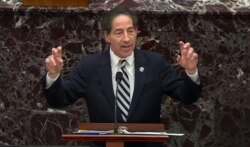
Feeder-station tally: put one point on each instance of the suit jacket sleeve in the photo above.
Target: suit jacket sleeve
(64, 92)
(182, 89)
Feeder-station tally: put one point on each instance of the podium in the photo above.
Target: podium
(117, 140)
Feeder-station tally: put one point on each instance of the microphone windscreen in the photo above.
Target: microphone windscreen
(118, 76)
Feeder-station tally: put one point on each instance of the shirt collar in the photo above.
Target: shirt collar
(115, 59)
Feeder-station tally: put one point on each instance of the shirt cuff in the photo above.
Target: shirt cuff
(50, 81)
(195, 77)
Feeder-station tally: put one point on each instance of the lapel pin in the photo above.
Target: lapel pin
(141, 69)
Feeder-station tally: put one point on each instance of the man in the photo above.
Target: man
(145, 76)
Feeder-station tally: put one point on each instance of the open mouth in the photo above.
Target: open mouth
(126, 47)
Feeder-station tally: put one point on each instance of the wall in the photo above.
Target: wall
(218, 30)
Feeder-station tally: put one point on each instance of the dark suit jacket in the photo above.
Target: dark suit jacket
(92, 79)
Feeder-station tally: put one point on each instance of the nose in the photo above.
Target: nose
(126, 36)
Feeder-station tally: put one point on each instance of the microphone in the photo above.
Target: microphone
(118, 78)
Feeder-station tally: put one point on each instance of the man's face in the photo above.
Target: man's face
(122, 37)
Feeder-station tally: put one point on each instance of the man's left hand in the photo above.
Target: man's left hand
(187, 59)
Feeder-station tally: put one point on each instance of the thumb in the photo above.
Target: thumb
(178, 58)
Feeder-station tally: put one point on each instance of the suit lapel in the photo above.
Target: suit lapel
(140, 76)
(105, 75)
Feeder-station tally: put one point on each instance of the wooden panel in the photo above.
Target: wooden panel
(114, 144)
(130, 126)
(56, 3)
(116, 138)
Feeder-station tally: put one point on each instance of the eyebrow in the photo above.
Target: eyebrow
(119, 29)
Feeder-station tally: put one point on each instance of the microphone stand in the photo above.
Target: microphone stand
(116, 125)
(118, 79)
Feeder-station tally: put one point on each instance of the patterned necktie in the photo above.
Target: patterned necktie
(123, 94)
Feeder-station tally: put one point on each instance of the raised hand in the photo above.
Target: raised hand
(187, 59)
(54, 62)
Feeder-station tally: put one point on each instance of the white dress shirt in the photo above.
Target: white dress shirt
(130, 69)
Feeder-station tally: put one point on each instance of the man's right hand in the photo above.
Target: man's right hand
(54, 62)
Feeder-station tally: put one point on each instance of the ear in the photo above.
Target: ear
(137, 31)
(106, 37)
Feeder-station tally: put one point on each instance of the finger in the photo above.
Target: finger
(60, 62)
(49, 65)
(47, 62)
(194, 56)
(187, 45)
(185, 49)
(54, 53)
(52, 61)
(59, 49)
(181, 47)
(178, 58)
(181, 43)
(190, 52)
